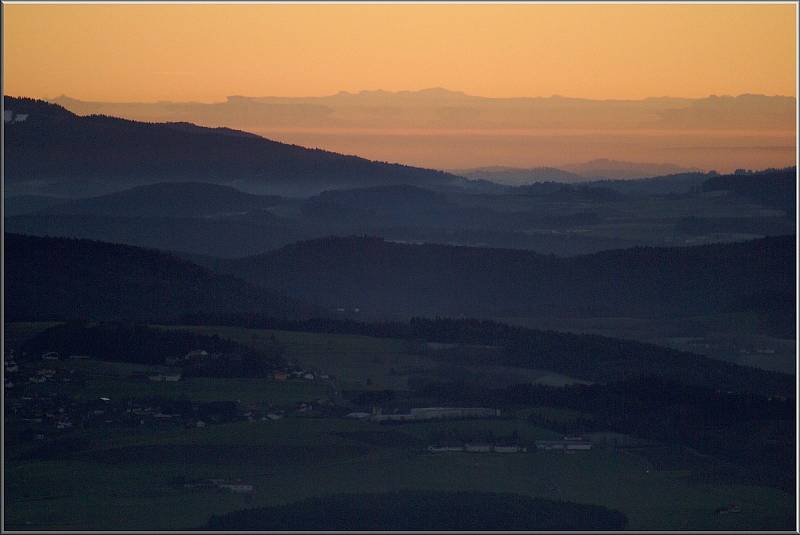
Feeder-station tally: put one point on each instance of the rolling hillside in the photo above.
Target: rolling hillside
(383, 278)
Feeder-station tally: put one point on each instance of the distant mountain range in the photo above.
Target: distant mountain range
(55, 152)
(444, 109)
(61, 279)
(599, 169)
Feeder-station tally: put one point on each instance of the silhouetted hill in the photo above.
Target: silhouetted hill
(180, 199)
(55, 145)
(58, 279)
(391, 279)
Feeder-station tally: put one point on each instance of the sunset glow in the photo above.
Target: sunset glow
(207, 52)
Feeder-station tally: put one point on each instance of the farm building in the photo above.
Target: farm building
(357, 415)
(509, 449)
(566, 444)
(443, 449)
(239, 488)
(159, 378)
(478, 448)
(280, 375)
(434, 413)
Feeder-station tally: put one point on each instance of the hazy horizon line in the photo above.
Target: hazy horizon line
(439, 89)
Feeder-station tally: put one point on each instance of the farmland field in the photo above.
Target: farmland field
(109, 484)
(376, 363)
(124, 478)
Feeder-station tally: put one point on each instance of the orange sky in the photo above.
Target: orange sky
(207, 52)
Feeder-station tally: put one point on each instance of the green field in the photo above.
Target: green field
(296, 458)
(111, 379)
(119, 478)
(363, 362)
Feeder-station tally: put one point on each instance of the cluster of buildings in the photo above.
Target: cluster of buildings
(236, 486)
(429, 413)
(568, 444)
(43, 413)
(565, 445)
(14, 375)
(11, 368)
(477, 447)
(294, 372)
(10, 117)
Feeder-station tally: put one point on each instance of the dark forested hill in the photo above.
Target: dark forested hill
(383, 278)
(103, 154)
(57, 278)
